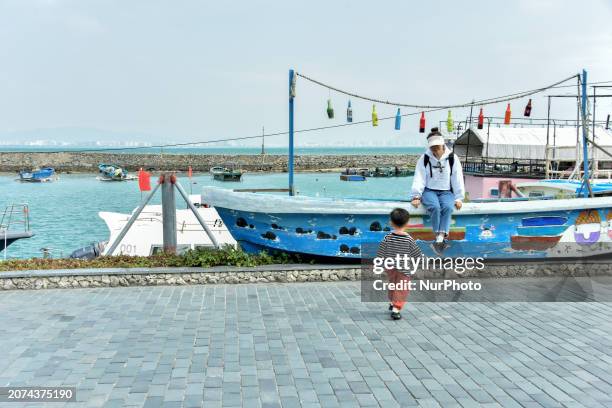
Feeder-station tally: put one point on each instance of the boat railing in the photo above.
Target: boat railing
(14, 217)
(572, 174)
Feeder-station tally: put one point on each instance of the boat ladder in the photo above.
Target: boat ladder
(15, 215)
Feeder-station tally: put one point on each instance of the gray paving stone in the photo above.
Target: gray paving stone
(273, 345)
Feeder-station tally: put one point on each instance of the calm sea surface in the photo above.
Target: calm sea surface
(64, 214)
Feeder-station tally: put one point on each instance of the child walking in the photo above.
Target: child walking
(438, 184)
(398, 242)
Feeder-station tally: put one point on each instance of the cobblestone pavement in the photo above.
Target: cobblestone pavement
(310, 345)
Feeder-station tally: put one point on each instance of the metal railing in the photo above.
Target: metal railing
(505, 167)
(15, 215)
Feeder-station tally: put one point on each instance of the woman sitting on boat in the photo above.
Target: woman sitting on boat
(438, 184)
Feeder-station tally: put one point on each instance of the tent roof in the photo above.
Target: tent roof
(532, 136)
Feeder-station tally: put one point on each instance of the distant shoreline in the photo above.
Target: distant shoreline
(77, 162)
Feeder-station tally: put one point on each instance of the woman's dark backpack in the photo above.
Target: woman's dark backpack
(450, 159)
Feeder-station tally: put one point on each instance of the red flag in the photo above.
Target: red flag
(144, 180)
(189, 172)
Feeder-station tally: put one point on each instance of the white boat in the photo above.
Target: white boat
(564, 188)
(145, 237)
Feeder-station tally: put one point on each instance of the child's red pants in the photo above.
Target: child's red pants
(398, 297)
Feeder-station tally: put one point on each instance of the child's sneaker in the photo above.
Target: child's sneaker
(395, 314)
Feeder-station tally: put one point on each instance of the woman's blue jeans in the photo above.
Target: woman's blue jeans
(439, 205)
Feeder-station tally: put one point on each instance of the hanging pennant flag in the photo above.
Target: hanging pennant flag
(507, 116)
(330, 110)
(374, 116)
(422, 123)
(398, 120)
(189, 172)
(349, 113)
(528, 109)
(480, 119)
(450, 125)
(144, 180)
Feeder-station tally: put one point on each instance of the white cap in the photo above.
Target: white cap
(435, 140)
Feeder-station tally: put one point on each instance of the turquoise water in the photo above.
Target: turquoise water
(232, 150)
(64, 214)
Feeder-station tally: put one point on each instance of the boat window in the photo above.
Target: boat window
(536, 194)
(180, 249)
(156, 249)
(494, 192)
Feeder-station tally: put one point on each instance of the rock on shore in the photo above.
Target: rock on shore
(88, 162)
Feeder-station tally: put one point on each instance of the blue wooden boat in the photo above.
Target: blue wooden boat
(43, 175)
(350, 229)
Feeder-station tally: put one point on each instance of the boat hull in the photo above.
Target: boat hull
(10, 237)
(352, 229)
(352, 177)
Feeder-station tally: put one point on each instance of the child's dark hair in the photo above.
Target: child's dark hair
(399, 217)
(434, 132)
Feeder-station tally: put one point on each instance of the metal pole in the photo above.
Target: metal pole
(290, 159)
(546, 173)
(197, 215)
(169, 213)
(263, 138)
(488, 128)
(594, 167)
(585, 147)
(130, 222)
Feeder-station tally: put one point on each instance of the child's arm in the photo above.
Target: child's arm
(415, 251)
(380, 253)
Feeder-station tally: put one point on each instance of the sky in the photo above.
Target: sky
(162, 71)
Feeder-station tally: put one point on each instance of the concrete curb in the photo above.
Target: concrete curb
(39, 273)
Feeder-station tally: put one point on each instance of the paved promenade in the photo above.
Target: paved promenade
(309, 345)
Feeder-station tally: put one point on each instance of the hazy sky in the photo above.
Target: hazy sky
(198, 70)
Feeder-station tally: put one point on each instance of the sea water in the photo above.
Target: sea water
(64, 213)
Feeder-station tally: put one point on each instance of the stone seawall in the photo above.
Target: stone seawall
(112, 277)
(88, 162)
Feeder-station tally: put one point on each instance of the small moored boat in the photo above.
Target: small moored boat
(112, 172)
(44, 175)
(221, 173)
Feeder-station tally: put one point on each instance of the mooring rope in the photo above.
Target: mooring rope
(482, 102)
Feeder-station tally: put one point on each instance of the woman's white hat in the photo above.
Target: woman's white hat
(435, 140)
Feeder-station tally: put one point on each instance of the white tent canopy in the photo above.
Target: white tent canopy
(528, 143)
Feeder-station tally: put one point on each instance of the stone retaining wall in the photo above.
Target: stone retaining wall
(88, 278)
(88, 162)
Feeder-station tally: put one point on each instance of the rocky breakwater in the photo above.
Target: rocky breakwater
(88, 162)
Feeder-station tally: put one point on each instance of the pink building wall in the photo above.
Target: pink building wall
(480, 187)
